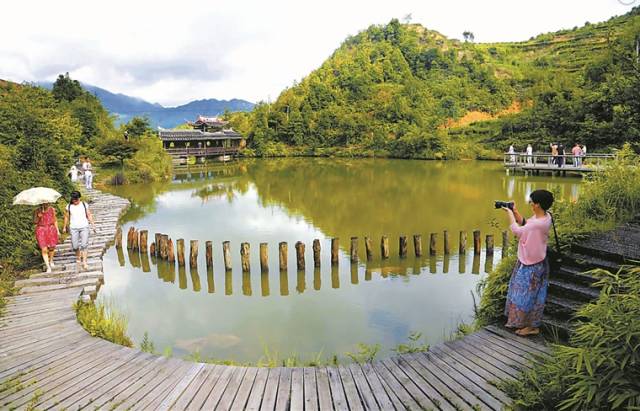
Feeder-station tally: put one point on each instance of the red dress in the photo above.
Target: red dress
(46, 231)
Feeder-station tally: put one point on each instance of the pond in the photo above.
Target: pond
(328, 310)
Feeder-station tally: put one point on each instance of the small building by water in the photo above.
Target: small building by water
(208, 138)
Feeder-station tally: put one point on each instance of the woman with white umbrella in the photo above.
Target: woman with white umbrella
(44, 217)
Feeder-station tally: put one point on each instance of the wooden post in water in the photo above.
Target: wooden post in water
(130, 237)
(152, 249)
(462, 249)
(180, 247)
(447, 248)
(505, 244)
(417, 244)
(244, 257)
(489, 244)
(118, 237)
(402, 243)
(476, 242)
(157, 238)
(264, 258)
(135, 240)
(164, 249)
(316, 253)
(170, 252)
(300, 255)
(368, 248)
(384, 247)
(143, 240)
(354, 249)
(433, 243)
(208, 253)
(283, 251)
(193, 253)
(226, 255)
(335, 250)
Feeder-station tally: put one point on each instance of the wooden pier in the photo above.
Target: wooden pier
(561, 164)
(48, 361)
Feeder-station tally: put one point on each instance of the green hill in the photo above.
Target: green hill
(403, 90)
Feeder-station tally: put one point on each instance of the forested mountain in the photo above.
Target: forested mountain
(403, 90)
(126, 107)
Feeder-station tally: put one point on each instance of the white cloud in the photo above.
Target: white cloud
(174, 52)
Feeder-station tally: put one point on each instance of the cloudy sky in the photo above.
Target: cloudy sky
(172, 52)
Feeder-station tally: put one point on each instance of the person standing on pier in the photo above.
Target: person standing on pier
(512, 151)
(577, 155)
(78, 217)
(47, 233)
(529, 154)
(530, 277)
(561, 154)
(554, 153)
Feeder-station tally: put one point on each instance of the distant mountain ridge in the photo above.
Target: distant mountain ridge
(126, 107)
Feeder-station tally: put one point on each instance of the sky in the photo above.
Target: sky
(172, 52)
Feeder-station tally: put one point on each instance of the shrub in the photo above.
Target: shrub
(600, 369)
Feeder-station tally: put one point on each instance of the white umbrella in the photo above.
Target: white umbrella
(37, 196)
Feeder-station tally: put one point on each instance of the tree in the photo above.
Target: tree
(468, 36)
(138, 126)
(66, 89)
(119, 149)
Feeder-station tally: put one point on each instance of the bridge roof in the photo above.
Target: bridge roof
(190, 135)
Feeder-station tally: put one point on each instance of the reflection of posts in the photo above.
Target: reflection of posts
(134, 258)
(445, 236)
(146, 268)
(246, 283)
(475, 267)
(301, 282)
(195, 278)
(317, 281)
(445, 263)
(489, 244)
(433, 264)
(284, 283)
(182, 278)
(488, 263)
(228, 283)
(211, 287)
(335, 277)
(354, 273)
(121, 260)
(462, 263)
(264, 283)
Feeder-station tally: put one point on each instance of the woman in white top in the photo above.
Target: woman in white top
(88, 174)
(78, 218)
(74, 173)
(529, 154)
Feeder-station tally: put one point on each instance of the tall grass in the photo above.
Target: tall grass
(103, 320)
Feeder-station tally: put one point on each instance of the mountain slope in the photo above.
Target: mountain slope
(126, 107)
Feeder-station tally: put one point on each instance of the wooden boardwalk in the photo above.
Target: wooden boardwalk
(48, 361)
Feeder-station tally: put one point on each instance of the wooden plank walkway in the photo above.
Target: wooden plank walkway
(47, 361)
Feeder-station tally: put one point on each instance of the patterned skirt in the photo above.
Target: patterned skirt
(527, 294)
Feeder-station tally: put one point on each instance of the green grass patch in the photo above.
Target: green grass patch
(102, 320)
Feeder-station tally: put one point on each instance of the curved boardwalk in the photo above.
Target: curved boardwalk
(48, 361)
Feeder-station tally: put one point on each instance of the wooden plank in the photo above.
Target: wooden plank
(231, 389)
(276, 382)
(350, 389)
(192, 390)
(219, 388)
(543, 349)
(177, 389)
(407, 384)
(496, 359)
(257, 391)
(474, 374)
(324, 391)
(368, 399)
(154, 398)
(387, 378)
(515, 344)
(337, 390)
(423, 384)
(382, 398)
(310, 389)
(297, 389)
(240, 402)
(488, 369)
(514, 359)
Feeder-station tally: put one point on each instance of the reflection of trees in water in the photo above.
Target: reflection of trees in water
(227, 189)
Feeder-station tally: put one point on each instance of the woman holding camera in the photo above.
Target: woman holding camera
(530, 277)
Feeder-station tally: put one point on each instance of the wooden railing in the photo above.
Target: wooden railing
(546, 160)
(201, 151)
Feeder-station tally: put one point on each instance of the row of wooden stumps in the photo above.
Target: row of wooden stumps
(163, 249)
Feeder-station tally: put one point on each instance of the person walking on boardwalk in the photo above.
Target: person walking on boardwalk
(47, 233)
(530, 277)
(529, 154)
(78, 217)
(512, 151)
(73, 172)
(561, 154)
(554, 153)
(577, 155)
(88, 174)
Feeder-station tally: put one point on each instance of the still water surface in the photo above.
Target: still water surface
(235, 316)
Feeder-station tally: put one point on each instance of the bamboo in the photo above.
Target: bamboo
(417, 244)
(402, 246)
(245, 257)
(264, 258)
(226, 254)
(208, 252)
(170, 252)
(283, 251)
(180, 248)
(300, 255)
(447, 248)
(476, 242)
(463, 242)
(433, 239)
(368, 248)
(193, 253)
(384, 247)
(489, 244)
(316, 253)
(335, 250)
(354, 249)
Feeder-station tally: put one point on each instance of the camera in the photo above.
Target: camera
(507, 204)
